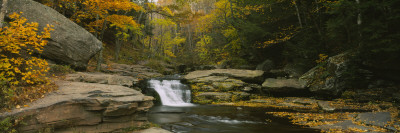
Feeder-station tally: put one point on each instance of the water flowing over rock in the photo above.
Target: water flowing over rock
(69, 43)
(172, 92)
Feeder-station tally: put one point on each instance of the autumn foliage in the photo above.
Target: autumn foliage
(18, 42)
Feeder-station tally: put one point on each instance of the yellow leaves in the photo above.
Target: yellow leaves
(283, 35)
(17, 43)
(168, 11)
(163, 22)
(322, 58)
(122, 21)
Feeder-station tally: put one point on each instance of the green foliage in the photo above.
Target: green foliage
(7, 125)
(156, 65)
(5, 95)
(60, 70)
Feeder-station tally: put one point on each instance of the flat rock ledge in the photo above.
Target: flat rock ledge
(85, 107)
(153, 130)
(246, 75)
(102, 78)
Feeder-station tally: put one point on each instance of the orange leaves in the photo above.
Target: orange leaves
(122, 21)
(18, 42)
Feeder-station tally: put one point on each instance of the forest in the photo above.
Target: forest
(339, 49)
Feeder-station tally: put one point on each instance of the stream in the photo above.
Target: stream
(177, 114)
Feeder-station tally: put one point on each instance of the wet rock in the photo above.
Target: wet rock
(247, 89)
(69, 43)
(228, 85)
(214, 96)
(345, 125)
(380, 119)
(79, 107)
(102, 78)
(260, 101)
(304, 101)
(325, 106)
(242, 96)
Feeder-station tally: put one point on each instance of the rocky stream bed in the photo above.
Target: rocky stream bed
(112, 102)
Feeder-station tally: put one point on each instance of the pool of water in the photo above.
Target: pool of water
(221, 119)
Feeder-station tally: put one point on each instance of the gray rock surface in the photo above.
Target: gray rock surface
(380, 119)
(79, 107)
(251, 75)
(325, 106)
(333, 80)
(69, 43)
(154, 130)
(214, 96)
(137, 71)
(277, 84)
(102, 78)
(224, 84)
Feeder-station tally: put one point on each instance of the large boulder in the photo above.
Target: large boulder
(69, 43)
(82, 107)
(338, 74)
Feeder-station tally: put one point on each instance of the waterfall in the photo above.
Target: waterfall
(172, 92)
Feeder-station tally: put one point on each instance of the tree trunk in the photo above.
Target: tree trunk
(117, 48)
(3, 12)
(359, 22)
(190, 37)
(233, 16)
(100, 58)
(298, 14)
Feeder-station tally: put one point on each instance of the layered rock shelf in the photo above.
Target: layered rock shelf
(89, 102)
(80, 107)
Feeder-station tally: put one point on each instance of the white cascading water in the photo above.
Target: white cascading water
(172, 92)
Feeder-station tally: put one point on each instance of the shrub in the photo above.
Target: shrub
(22, 76)
(18, 42)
